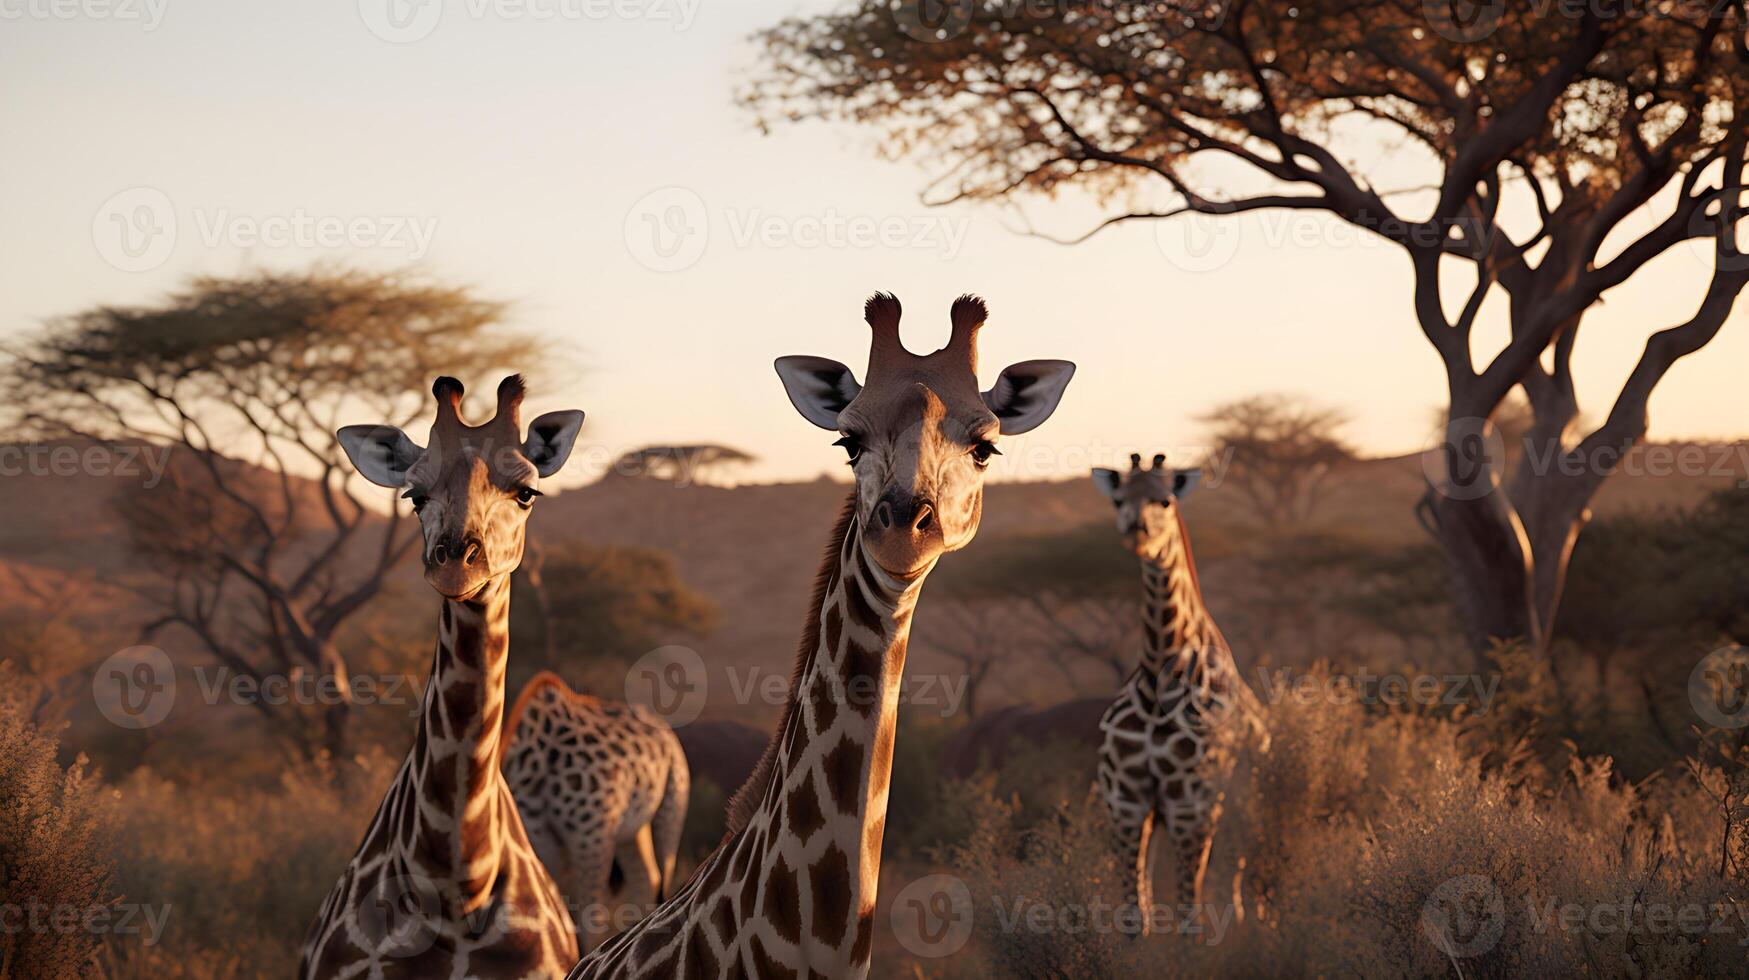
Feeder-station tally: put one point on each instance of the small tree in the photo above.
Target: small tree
(680, 464)
(608, 604)
(257, 543)
(1570, 144)
(1279, 450)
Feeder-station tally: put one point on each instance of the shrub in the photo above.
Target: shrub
(55, 865)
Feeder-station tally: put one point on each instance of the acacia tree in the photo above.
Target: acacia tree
(257, 543)
(1280, 451)
(1546, 128)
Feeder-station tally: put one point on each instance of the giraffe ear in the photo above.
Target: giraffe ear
(550, 438)
(382, 453)
(1026, 394)
(1107, 481)
(1185, 481)
(818, 387)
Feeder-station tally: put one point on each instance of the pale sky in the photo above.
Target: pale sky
(591, 167)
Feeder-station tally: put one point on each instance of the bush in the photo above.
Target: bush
(1394, 844)
(242, 871)
(55, 865)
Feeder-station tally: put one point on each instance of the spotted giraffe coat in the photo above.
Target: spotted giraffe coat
(791, 890)
(592, 779)
(1168, 736)
(445, 883)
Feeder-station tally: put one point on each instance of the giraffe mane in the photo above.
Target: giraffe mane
(745, 802)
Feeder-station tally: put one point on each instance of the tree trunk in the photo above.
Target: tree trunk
(1490, 563)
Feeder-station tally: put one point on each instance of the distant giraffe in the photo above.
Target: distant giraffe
(791, 890)
(592, 779)
(1164, 747)
(445, 882)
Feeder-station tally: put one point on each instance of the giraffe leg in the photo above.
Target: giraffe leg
(592, 906)
(645, 870)
(669, 820)
(1192, 838)
(1135, 831)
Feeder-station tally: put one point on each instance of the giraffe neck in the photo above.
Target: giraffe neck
(1175, 622)
(820, 820)
(461, 792)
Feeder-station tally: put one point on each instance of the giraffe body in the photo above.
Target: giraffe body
(791, 890)
(1168, 737)
(445, 883)
(595, 780)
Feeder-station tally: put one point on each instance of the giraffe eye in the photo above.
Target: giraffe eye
(982, 452)
(526, 495)
(418, 498)
(852, 447)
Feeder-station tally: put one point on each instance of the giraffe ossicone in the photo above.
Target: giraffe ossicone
(790, 891)
(445, 882)
(1168, 738)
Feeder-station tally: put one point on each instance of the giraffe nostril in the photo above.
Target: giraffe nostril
(884, 514)
(924, 516)
(440, 555)
(472, 554)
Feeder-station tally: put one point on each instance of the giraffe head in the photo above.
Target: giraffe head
(1146, 499)
(473, 487)
(918, 432)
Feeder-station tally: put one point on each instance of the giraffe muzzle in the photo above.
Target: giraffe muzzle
(904, 533)
(456, 567)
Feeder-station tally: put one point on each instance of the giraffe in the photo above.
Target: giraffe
(790, 891)
(1165, 737)
(445, 882)
(592, 777)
